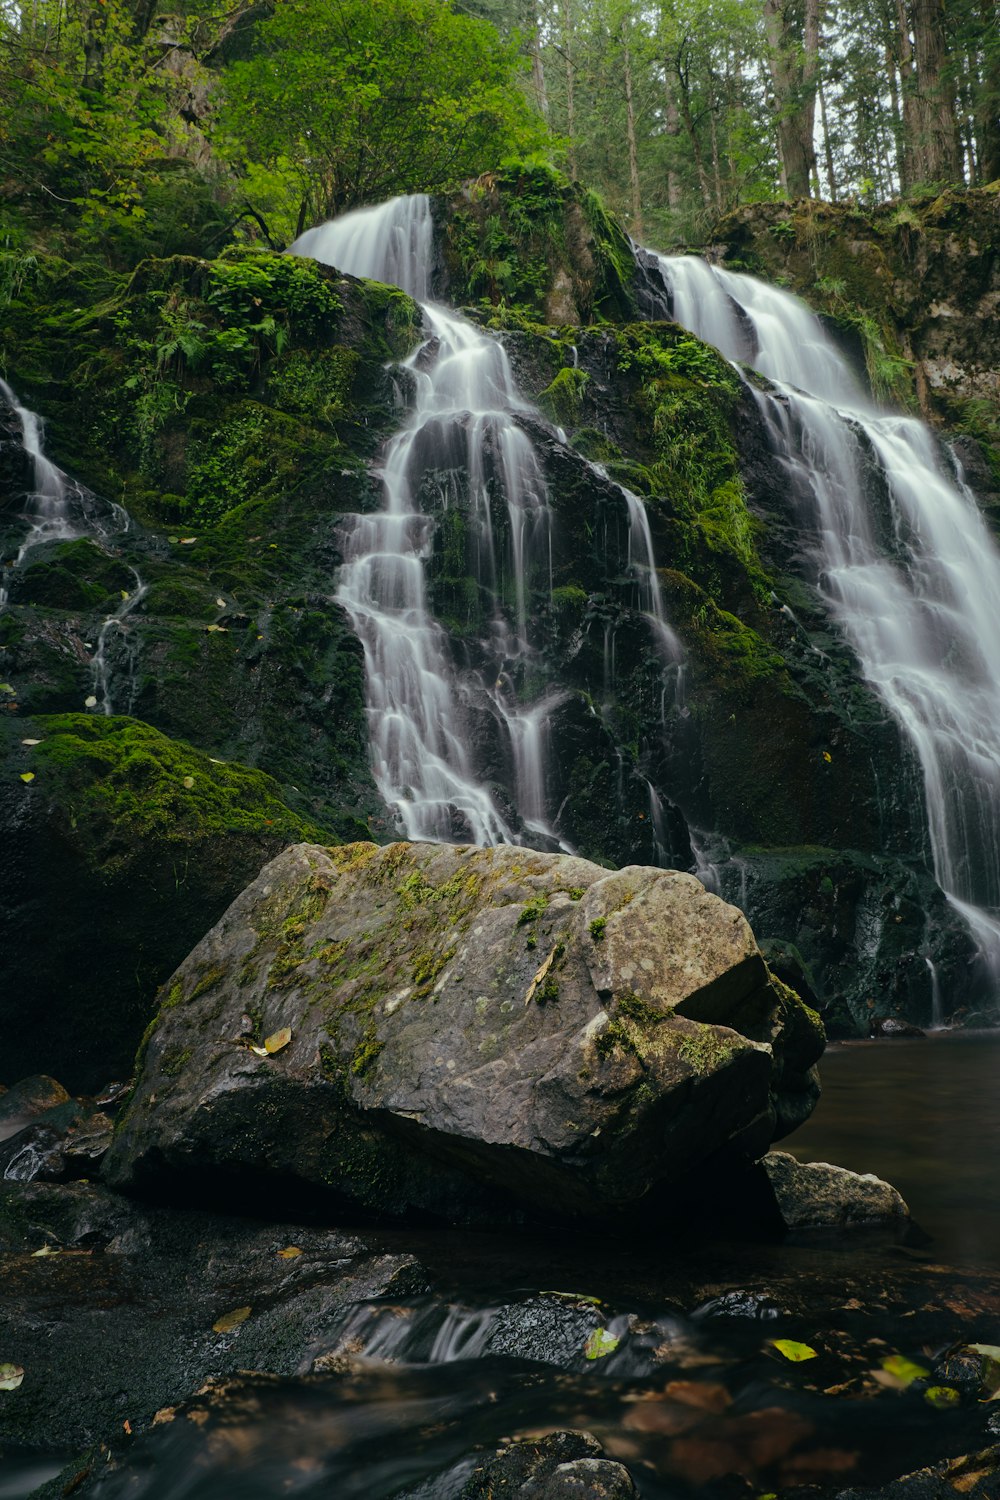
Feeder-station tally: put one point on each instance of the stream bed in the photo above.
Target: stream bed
(672, 1359)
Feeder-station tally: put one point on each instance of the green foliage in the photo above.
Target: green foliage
(562, 399)
(355, 102)
(687, 392)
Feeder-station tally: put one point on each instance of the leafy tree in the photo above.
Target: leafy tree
(345, 102)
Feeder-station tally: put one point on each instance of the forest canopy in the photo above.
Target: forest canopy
(155, 129)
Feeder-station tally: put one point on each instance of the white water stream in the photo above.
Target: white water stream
(422, 713)
(904, 560)
(61, 509)
(49, 512)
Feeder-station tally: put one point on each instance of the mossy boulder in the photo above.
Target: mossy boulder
(525, 242)
(74, 575)
(467, 1033)
(119, 843)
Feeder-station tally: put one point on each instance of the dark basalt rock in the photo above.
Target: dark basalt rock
(473, 1032)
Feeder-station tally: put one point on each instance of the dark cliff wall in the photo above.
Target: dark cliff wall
(235, 408)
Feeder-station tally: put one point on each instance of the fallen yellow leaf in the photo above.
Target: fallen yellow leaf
(793, 1350)
(231, 1320)
(289, 1253)
(10, 1377)
(27, 775)
(278, 1039)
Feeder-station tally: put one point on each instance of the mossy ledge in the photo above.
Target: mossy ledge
(122, 846)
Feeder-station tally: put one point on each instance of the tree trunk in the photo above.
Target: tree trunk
(684, 104)
(537, 67)
(909, 156)
(792, 28)
(566, 14)
(988, 124)
(633, 156)
(933, 119)
(674, 189)
(831, 175)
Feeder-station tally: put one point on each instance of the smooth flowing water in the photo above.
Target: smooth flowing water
(462, 452)
(48, 512)
(902, 556)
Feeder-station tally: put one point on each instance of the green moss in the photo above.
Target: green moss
(533, 909)
(706, 1051)
(526, 244)
(634, 1008)
(366, 1053)
(175, 1060)
(547, 992)
(75, 575)
(597, 928)
(562, 400)
(119, 782)
(212, 976)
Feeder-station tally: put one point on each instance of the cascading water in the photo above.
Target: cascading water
(49, 511)
(61, 509)
(903, 559)
(422, 714)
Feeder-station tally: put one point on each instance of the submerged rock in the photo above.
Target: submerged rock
(473, 1032)
(556, 1467)
(817, 1195)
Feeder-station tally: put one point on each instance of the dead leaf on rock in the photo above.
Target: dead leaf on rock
(10, 1377)
(289, 1253)
(44, 1251)
(277, 1040)
(231, 1320)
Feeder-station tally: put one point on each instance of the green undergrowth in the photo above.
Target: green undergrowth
(686, 397)
(193, 385)
(524, 242)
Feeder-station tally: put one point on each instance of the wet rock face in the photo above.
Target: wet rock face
(15, 463)
(473, 1033)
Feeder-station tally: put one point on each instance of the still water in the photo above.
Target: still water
(923, 1114)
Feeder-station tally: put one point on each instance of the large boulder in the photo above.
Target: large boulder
(472, 1031)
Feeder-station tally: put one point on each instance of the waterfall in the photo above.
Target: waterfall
(49, 512)
(902, 558)
(425, 717)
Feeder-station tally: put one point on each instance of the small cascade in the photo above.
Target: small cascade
(60, 509)
(100, 667)
(902, 557)
(424, 719)
(937, 1006)
(48, 502)
(547, 1328)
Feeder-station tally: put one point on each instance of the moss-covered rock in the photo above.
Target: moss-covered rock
(524, 241)
(119, 844)
(470, 1033)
